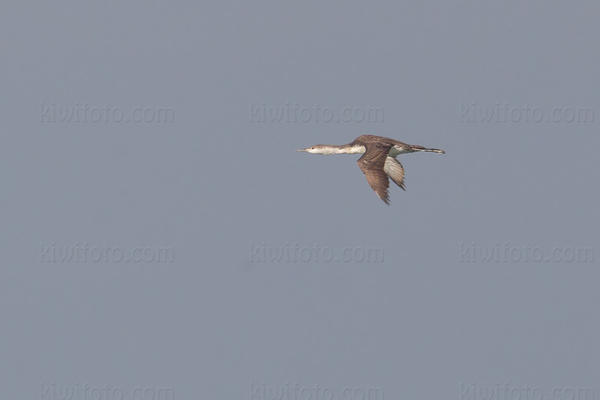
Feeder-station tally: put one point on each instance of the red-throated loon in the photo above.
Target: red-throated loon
(378, 161)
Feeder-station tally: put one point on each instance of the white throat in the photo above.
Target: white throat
(355, 149)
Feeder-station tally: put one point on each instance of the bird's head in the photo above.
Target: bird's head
(321, 149)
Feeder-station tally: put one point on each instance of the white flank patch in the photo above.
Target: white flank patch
(394, 151)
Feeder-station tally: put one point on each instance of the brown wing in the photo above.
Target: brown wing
(371, 164)
(363, 139)
(395, 171)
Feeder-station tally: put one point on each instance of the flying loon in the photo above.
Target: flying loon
(378, 161)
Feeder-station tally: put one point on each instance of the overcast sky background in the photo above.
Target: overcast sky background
(218, 184)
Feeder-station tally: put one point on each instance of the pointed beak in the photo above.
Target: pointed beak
(301, 150)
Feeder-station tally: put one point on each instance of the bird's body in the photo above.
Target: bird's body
(378, 161)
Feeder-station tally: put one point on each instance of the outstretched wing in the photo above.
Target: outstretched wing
(395, 171)
(372, 165)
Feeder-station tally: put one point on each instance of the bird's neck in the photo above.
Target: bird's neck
(343, 149)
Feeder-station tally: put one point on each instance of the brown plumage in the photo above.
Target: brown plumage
(378, 161)
(372, 164)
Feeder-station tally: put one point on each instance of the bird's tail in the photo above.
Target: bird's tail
(421, 148)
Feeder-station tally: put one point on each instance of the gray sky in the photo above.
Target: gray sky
(161, 232)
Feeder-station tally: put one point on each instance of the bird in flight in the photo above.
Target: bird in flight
(378, 161)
